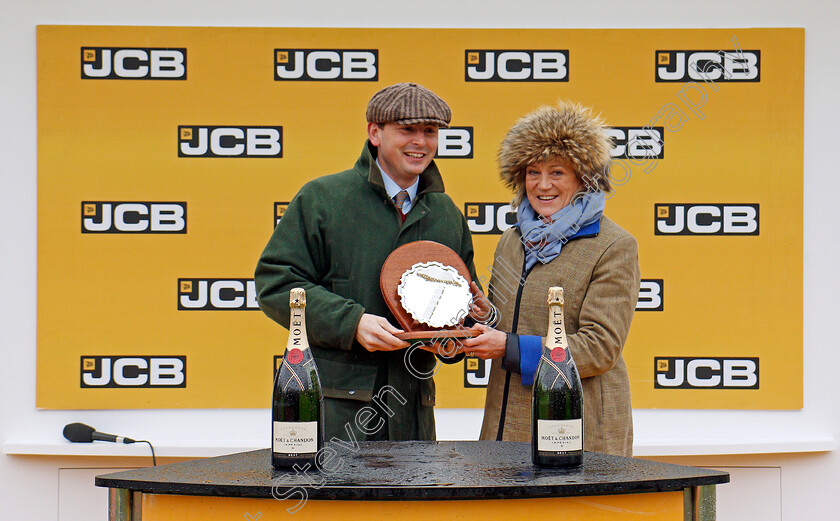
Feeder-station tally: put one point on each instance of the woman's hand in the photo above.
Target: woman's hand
(489, 344)
(480, 309)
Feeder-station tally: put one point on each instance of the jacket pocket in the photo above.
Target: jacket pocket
(349, 381)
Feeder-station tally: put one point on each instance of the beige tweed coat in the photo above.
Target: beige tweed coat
(600, 278)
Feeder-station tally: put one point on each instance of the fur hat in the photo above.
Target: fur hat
(568, 131)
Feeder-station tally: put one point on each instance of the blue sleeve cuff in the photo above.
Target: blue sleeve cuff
(530, 352)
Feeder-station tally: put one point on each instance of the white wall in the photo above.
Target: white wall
(29, 484)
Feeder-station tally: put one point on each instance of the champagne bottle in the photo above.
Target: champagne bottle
(297, 410)
(557, 400)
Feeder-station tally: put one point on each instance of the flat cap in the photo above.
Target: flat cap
(406, 104)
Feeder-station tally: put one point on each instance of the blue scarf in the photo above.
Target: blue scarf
(542, 240)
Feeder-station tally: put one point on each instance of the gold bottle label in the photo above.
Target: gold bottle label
(556, 341)
(298, 341)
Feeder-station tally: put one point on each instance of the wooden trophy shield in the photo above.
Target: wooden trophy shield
(430, 277)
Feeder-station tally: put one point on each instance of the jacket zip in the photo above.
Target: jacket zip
(515, 327)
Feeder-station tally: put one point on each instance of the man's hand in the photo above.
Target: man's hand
(489, 344)
(375, 333)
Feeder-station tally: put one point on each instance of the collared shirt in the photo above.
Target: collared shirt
(393, 189)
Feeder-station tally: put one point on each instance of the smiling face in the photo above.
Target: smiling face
(404, 150)
(550, 185)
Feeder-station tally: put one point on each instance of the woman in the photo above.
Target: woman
(556, 160)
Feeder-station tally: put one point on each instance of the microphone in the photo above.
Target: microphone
(81, 433)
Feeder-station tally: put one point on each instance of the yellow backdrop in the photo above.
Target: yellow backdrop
(166, 155)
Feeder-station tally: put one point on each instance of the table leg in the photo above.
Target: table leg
(700, 503)
(124, 505)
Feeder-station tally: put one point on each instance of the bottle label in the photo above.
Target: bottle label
(558, 354)
(294, 356)
(559, 435)
(295, 437)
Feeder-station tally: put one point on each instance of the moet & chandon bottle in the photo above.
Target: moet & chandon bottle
(297, 408)
(557, 400)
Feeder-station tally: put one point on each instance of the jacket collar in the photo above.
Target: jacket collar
(430, 179)
(590, 230)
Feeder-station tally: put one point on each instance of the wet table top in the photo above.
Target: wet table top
(413, 471)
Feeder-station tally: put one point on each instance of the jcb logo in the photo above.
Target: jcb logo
(732, 66)
(489, 218)
(705, 373)
(476, 372)
(637, 142)
(651, 295)
(326, 64)
(516, 65)
(133, 371)
(455, 142)
(127, 63)
(133, 217)
(217, 294)
(279, 210)
(706, 219)
(219, 141)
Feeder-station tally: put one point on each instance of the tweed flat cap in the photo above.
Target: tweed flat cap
(408, 103)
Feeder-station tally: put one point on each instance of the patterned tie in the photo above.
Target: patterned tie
(399, 200)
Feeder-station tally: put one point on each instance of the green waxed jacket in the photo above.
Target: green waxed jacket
(332, 241)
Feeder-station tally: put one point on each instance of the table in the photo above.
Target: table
(401, 481)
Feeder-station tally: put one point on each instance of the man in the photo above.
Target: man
(332, 241)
